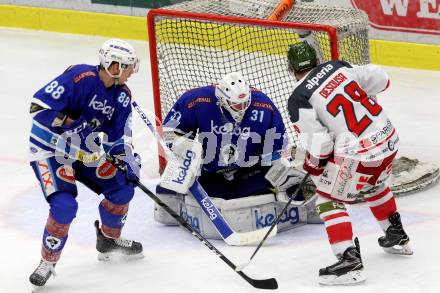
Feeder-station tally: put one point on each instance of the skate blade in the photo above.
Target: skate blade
(399, 249)
(105, 257)
(350, 278)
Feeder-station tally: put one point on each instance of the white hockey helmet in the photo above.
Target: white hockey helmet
(119, 51)
(234, 94)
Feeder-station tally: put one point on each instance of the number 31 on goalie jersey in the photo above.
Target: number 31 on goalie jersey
(342, 103)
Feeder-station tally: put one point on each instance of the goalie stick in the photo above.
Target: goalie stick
(227, 233)
(269, 284)
(274, 224)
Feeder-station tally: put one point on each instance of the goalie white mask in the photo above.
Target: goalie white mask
(234, 95)
(119, 51)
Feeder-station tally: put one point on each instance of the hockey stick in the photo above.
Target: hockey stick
(281, 10)
(242, 266)
(260, 284)
(229, 236)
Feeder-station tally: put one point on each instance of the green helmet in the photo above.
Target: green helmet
(301, 56)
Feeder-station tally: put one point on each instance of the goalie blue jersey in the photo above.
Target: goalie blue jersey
(258, 139)
(78, 92)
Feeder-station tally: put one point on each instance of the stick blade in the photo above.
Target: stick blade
(268, 284)
(249, 238)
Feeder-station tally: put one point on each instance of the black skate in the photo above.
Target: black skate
(348, 270)
(42, 273)
(107, 247)
(395, 240)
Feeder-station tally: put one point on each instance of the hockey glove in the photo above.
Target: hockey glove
(80, 135)
(315, 166)
(124, 157)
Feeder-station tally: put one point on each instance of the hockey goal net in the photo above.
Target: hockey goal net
(194, 43)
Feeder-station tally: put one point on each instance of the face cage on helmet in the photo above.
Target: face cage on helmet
(227, 104)
(124, 67)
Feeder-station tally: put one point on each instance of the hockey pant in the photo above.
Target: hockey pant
(58, 183)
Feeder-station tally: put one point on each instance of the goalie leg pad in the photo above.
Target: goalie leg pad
(175, 202)
(244, 214)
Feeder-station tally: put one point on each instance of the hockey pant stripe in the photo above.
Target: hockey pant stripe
(54, 238)
(113, 218)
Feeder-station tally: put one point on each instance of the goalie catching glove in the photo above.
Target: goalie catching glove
(183, 165)
(283, 177)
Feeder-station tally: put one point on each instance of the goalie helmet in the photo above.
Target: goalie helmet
(234, 94)
(301, 56)
(119, 51)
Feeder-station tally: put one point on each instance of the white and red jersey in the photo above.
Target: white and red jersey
(336, 113)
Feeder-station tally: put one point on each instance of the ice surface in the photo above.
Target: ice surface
(175, 261)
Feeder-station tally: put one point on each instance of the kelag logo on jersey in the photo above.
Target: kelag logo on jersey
(102, 107)
(262, 220)
(228, 128)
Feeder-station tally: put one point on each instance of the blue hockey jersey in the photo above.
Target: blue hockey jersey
(78, 92)
(228, 145)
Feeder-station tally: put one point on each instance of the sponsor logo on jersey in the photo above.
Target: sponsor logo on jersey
(77, 78)
(102, 107)
(95, 124)
(106, 170)
(66, 173)
(263, 105)
(383, 133)
(332, 85)
(228, 128)
(229, 153)
(190, 155)
(314, 81)
(391, 145)
(199, 100)
(290, 215)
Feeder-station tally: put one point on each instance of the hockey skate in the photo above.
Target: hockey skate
(347, 271)
(109, 247)
(395, 240)
(42, 273)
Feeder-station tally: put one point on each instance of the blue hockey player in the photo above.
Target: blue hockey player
(70, 114)
(239, 133)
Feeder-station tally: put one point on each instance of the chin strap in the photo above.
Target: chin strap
(115, 77)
